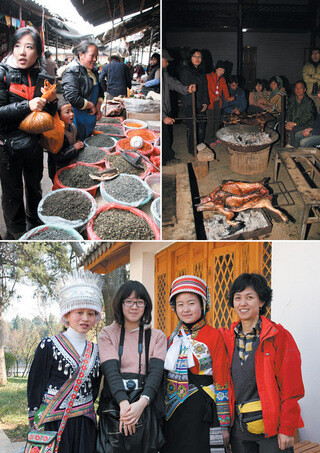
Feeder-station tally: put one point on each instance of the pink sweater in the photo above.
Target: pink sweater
(108, 343)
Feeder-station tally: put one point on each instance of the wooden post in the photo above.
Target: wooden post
(151, 39)
(56, 46)
(194, 117)
(282, 122)
(240, 38)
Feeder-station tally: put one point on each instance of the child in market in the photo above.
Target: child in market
(71, 146)
(65, 368)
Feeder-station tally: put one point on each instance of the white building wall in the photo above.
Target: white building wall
(296, 305)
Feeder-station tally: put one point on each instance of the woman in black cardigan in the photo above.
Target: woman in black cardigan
(194, 73)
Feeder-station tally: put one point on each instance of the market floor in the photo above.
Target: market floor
(182, 225)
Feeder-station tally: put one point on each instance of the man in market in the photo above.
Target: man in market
(301, 112)
(169, 83)
(311, 76)
(50, 65)
(115, 78)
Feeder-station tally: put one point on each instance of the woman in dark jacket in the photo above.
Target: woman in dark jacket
(21, 157)
(193, 73)
(81, 87)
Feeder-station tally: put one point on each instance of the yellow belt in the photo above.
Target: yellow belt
(250, 416)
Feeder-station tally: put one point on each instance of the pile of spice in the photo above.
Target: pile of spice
(109, 129)
(124, 166)
(91, 154)
(79, 177)
(125, 144)
(119, 224)
(100, 140)
(51, 234)
(110, 120)
(133, 125)
(126, 189)
(145, 134)
(70, 205)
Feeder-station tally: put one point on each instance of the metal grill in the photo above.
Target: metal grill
(224, 275)
(161, 307)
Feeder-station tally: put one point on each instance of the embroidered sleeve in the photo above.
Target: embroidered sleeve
(39, 376)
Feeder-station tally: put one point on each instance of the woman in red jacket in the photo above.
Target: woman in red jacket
(265, 367)
(216, 86)
(197, 412)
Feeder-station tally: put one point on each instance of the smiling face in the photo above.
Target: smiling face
(220, 72)
(132, 315)
(82, 319)
(188, 307)
(66, 114)
(273, 85)
(89, 58)
(247, 305)
(25, 52)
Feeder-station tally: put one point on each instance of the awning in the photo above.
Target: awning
(142, 22)
(98, 12)
(63, 30)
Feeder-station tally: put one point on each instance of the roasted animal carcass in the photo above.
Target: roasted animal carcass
(235, 196)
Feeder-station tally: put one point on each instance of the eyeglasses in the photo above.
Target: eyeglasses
(130, 303)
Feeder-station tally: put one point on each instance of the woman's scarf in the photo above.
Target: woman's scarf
(276, 91)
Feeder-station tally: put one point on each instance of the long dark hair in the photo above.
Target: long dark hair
(201, 67)
(129, 287)
(34, 35)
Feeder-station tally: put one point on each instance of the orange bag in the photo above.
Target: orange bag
(52, 140)
(38, 122)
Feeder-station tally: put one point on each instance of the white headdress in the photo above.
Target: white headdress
(80, 289)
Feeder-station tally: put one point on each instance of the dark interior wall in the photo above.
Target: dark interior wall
(277, 53)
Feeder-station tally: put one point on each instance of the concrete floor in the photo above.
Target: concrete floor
(219, 170)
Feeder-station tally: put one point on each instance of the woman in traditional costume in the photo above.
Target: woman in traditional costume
(57, 362)
(265, 365)
(197, 416)
(132, 356)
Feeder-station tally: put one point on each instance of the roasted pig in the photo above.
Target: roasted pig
(235, 196)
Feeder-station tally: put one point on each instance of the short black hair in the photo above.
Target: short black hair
(47, 54)
(255, 281)
(156, 56)
(62, 102)
(18, 34)
(201, 66)
(260, 82)
(131, 286)
(234, 79)
(83, 46)
(303, 83)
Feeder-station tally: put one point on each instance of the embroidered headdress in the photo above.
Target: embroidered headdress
(190, 284)
(80, 289)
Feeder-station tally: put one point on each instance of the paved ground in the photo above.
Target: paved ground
(6, 446)
(219, 170)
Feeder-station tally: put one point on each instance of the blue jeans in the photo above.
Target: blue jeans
(305, 142)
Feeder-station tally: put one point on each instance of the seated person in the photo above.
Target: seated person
(309, 136)
(257, 100)
(71, 146)
(153, 80)
(301, 112)
(274, 95)
(238, 102)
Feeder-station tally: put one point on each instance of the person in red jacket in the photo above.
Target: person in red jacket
(197, 410)
(265, 367)
(216, 86)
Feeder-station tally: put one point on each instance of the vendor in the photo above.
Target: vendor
(81, 87)
(153, 80)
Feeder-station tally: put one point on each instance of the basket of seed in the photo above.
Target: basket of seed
(155, 209)
(110, 129)
(115, 222)
(92, 155)
(67, 207)
(128, 190)
(52, 233)
(124, 166)
(79, 175)
(154, 182)
(103, 141)
(124, 144)
(110, 120)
